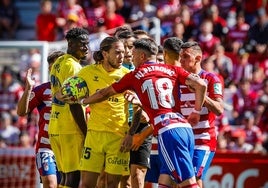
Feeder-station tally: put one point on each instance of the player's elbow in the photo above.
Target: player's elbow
(202, 86)
(21, 113)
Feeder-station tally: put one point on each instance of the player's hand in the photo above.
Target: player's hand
(193, 118)
(137, 142)
(64, 98)
(130, 96)
(126, 143)
(190, 87)
(30, 81)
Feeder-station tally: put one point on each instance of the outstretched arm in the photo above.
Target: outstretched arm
(23, 103)
(99, 96)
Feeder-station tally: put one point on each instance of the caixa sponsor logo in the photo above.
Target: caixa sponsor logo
(229, 180)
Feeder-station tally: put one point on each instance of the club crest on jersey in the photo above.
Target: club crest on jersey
(217, 88)
(96, 78)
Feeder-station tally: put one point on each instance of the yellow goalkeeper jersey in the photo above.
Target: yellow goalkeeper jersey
(61, 119)
(110, 115)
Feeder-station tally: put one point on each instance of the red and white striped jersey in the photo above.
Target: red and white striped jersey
(204, 131)
(41, 99)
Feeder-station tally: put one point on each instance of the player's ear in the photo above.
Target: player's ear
(198, 59)
(104, 54)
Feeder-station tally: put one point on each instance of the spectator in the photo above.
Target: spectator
(242, 68)
(167, 12)
(238, 34)
(260, 57)
(178, 30)
(111, 18)
(262, 117)
(189, 26)
(206, 39)
(70, 7)
(209, 66)
(219, 24)
(9, 19)
(8, 132)
(123, 8)
(35, 65)
(254, 135)
(257, 81)
(243, 100)
(31, 58)
(142, 11)
(223, 64)
(96, 38)
(257, 33)
(46, 26)
(225, 6)
(251, 8)
(10, 93)
(238, 143)
(25, 140)
(195, 7)
(71, 22)
(94, 9)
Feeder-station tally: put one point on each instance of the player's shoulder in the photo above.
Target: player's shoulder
(46, 85)
(210, 76)
(125, 70)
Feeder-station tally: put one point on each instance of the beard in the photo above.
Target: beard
(114, 65)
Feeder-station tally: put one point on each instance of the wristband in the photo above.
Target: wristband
(82, 101)
(196, 111)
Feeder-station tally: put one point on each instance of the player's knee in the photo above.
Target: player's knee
(49, 181)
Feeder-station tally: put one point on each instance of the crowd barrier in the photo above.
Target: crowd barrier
(17, 168)
(228, 170)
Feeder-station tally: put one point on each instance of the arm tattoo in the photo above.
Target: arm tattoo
(135, 122)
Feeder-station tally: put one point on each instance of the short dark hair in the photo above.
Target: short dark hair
(125, 35)
(140, 32)
(121, 29)
(75, 33)
(147, 44)
(53, 55)
(173, 44)
(193, 45)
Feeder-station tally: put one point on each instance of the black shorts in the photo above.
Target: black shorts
(142, 155)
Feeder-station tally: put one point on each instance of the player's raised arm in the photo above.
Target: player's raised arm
(23, 103)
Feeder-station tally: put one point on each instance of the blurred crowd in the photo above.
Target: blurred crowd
(231, 33)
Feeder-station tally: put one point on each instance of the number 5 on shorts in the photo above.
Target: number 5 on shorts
(87, 152)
